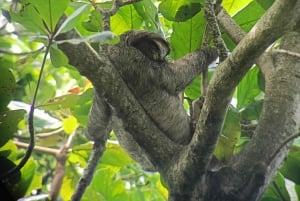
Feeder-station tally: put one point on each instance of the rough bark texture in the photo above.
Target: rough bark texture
(185, 169)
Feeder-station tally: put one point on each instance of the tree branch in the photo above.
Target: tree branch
(281, 107)
(229, 73)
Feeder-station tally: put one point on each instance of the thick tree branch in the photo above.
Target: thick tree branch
(229, 73)
(99, 70)
(281, 107)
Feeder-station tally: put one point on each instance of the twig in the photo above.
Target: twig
(214, 29)
(41, 149)
(60, 168)
(20, 53)
(294, 54)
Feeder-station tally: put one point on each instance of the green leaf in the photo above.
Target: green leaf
(7, 87)
(7, 165)
(180, 10)
(297, 189)
(57, 103)
(70, 124)
(28, 173)
(58, 58)
(272, 192)
(234, 6)
(148, 11)
(50, 11)
(30, 19)
(9, 124)
(230, 136)
(252, 111)
(103, 37)
(81, 109)
(291, 166)
(115, 156)
(94, 23)
(71, 21)
(248, 88)
(126, 19)
(248, 16)
(187, 36)
(193, 90)
(106, 185)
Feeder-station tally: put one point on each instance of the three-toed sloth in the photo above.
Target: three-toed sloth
(139, 58)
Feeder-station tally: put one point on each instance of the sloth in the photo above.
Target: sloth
(140, 59)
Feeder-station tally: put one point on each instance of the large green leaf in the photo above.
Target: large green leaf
(230, 136)
(30, 19)
(248, 88)
(193, 90)
(50, 11)
(64, 101)
(234, 6)
(291, 166)
(248, 16)
(187, 36)
(106, 185)
(28, 181)
(180, 10)
(94, 22)
(246, 13)
(115, 156)
(273, 194)
(9, 124)
(81, 109)
(7, 87)
(252, 111)
(297, 189)
(71, 20)
(126, 19)
(58, 58)
(148, 11)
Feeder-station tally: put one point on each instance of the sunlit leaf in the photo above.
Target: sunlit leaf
(115, 156)
(71, 21)
(126, 19)
(105, 184)
(30, 19)
(249, 15)
(65, 101)
(70, 124)
(234, 6)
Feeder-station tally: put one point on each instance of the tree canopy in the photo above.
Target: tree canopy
(249, 121)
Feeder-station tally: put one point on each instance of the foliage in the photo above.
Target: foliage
(65, 96)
